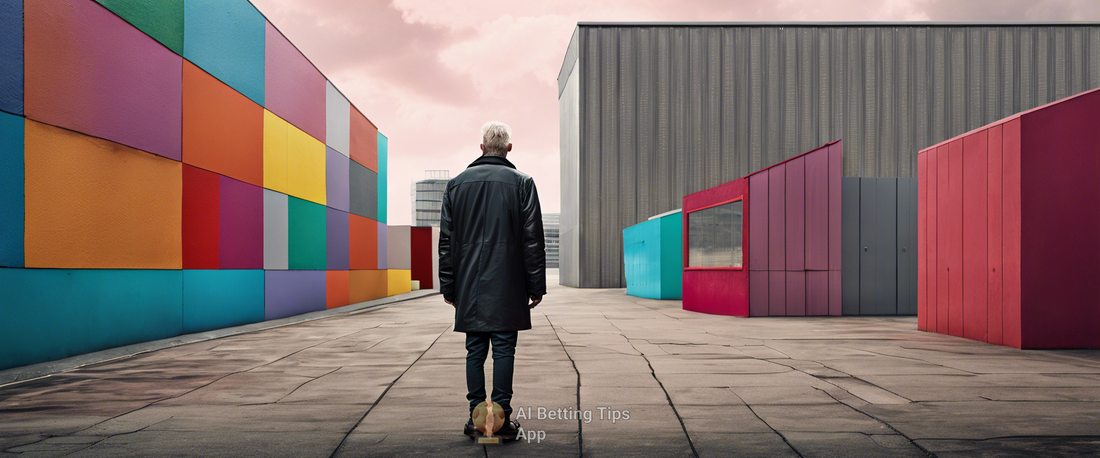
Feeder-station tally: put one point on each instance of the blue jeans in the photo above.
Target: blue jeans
(504, 358)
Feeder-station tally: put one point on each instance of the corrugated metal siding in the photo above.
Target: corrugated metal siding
(569, 142)
(670, 110)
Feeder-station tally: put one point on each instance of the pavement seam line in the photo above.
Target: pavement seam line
(387, 390)
(765, 422)
(888, 425)
(663, 390)
(580, 425)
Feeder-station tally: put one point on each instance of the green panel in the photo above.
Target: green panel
(383, 175)
(160, 19)
(49, 314)
(307, 249)
(653, 259)
(214, 299)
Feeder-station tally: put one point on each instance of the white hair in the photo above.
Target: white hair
(496, 136)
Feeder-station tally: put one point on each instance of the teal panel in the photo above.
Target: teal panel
(214, 299)
(49, 314)
(652, 258)
(11, 190)
(306, 226)
(160, 19)
(227, 39)
(383, 176)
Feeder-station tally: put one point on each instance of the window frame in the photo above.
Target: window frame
(687, 234)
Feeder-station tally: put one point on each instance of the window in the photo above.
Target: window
(714, 236)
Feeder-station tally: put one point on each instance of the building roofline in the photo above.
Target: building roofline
(841, 24)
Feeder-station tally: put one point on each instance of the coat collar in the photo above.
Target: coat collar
(492, 160)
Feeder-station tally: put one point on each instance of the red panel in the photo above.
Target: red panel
(922, 241)
(363, 242)
(201, 197)
(796, 293)
(721, 292)
(817, 211)
(975, 244)
(777, 293)
(758, 293)
(817, 293)
(954, 238)
(1060, 225)
(421, 251)
(758, 223)
(994, 332)
(364, 140)
(1010, 232)
(337, 288)
(777, 238)
(795, 207)
(835, 173)
(835, 296)
(942, 254)
(716, 292)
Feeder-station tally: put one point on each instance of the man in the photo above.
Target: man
(492, 265)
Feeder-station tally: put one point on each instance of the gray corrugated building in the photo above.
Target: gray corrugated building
(652, 112)
(427, 195)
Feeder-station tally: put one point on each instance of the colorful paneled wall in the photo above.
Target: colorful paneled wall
(1008, 228)
(171, 167)
(653, 257)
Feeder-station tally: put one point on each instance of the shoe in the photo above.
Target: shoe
(508, 432)
(471, 430)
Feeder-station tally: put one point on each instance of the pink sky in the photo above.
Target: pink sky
(429, 73)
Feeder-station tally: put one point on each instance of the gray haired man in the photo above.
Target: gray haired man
(492, 265)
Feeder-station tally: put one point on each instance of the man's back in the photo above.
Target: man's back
(492, 254)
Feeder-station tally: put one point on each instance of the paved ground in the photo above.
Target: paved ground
(390, 382)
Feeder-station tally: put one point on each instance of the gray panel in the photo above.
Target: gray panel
(850, 248)
(907, 246)
(878, 283)
(868, 251)
(363, 184)
(569, 143)
(275, 230)
(666, 110)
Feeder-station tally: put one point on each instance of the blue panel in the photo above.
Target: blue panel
(214, 299)
(226, 38)
(49, 314)
(11, 190)
(653, 258)
(383, 174)
(11, 56)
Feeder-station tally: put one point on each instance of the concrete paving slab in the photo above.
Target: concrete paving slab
(853, 444)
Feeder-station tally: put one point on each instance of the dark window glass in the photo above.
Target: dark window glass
(714, 236)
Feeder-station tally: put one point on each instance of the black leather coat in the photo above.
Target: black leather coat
(492, 254)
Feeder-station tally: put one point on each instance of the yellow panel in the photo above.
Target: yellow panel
(400, 281)
(305, 176)
(275, 138)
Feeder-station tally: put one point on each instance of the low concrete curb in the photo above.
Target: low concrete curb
(33, 371)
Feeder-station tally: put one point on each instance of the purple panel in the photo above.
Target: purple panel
(834, 209)
(293, 88)
(293, 292)
(241, 218)
(817, 293)
(777, 293)
(89, 71)
(382, 243)
(817, 210)
(336, 180)
(796, 293)
(796, 215)
(758, 293)
(336, 239)
(777, 238)
(758, 224)
(835, 296)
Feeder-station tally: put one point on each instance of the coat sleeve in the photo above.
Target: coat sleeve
(534, 241)
(446, 257)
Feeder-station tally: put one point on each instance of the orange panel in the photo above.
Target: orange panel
(368, 285)
(92, 203)
(363, 242)
(223, 131)
(337, 289)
